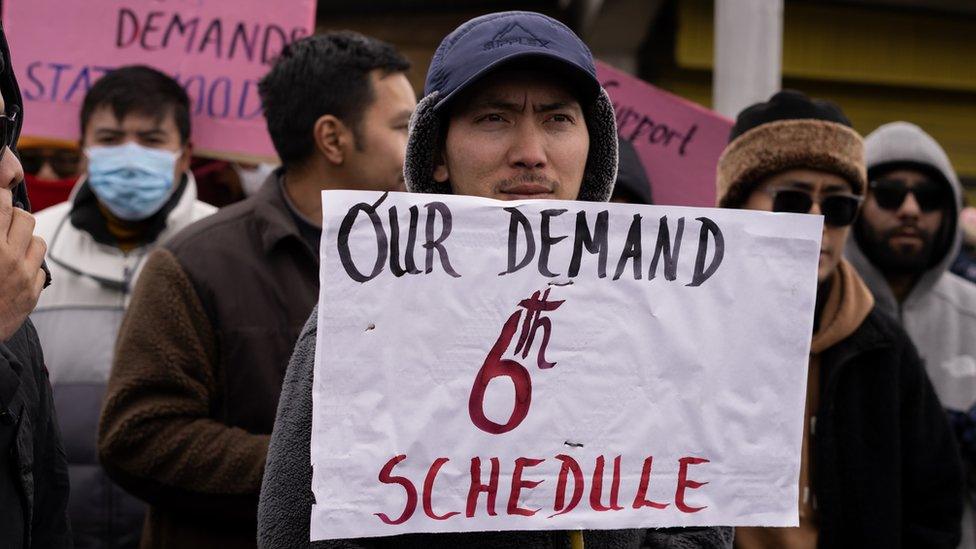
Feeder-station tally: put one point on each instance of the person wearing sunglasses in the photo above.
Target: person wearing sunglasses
(879, 465)
(51, 169)
(33, 470)
(903, 245)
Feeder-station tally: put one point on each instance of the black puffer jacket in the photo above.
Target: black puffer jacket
(33, 468)
(887, 472)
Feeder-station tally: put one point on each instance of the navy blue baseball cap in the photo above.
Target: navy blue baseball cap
(491, 41)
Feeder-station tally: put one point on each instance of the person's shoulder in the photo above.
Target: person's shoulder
(305, 345)
(48, 219)
(883, 321)
(884, 333)
(958, 293)
(26, 346)
(210, 230)
(201, 209)
(879, 330)
(312, 324)
(302, 363)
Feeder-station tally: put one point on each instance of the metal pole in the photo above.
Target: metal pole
(748, 53)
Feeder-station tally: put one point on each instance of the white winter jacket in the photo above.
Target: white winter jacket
(77, 320)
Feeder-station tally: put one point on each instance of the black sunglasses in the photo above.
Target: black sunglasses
(8, 129)
(890, 194)
(64, 162)
(839, 210)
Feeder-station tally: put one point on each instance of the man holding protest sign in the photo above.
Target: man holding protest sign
(137, 191)
(216, 312)
(512, 110)
(879, 466)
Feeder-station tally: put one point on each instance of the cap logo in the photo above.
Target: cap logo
(515, 34)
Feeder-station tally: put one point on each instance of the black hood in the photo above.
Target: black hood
(11, 97)
(631, 175)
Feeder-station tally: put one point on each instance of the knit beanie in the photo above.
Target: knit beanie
(788, 131)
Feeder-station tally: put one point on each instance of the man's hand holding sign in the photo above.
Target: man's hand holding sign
(557, 365)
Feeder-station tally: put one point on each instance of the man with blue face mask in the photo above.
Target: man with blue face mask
(135, 192)
(131, 181)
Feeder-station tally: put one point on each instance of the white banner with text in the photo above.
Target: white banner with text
(535, 365)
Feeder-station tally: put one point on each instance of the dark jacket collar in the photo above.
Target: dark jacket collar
(86, 216)
(874, 333)
(273, 214)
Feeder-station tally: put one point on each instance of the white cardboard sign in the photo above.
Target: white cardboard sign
(536, 365)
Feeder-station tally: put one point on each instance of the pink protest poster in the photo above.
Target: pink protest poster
(217, 49)
(678, 141)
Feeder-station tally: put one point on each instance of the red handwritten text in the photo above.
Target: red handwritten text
(495, 366)
(565, 497)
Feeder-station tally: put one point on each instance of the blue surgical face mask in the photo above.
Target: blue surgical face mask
(132, 181)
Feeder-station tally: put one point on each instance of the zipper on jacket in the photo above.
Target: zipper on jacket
(109, 513)
(126, 280)
(129, 271)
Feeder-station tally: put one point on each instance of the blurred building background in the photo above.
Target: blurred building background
(881, 60)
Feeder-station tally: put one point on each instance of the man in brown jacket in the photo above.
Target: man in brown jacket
(215, 314)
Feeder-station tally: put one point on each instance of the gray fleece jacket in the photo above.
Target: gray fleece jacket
(939, 313)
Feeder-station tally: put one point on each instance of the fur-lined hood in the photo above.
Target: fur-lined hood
(481, 46)
(601, 164)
